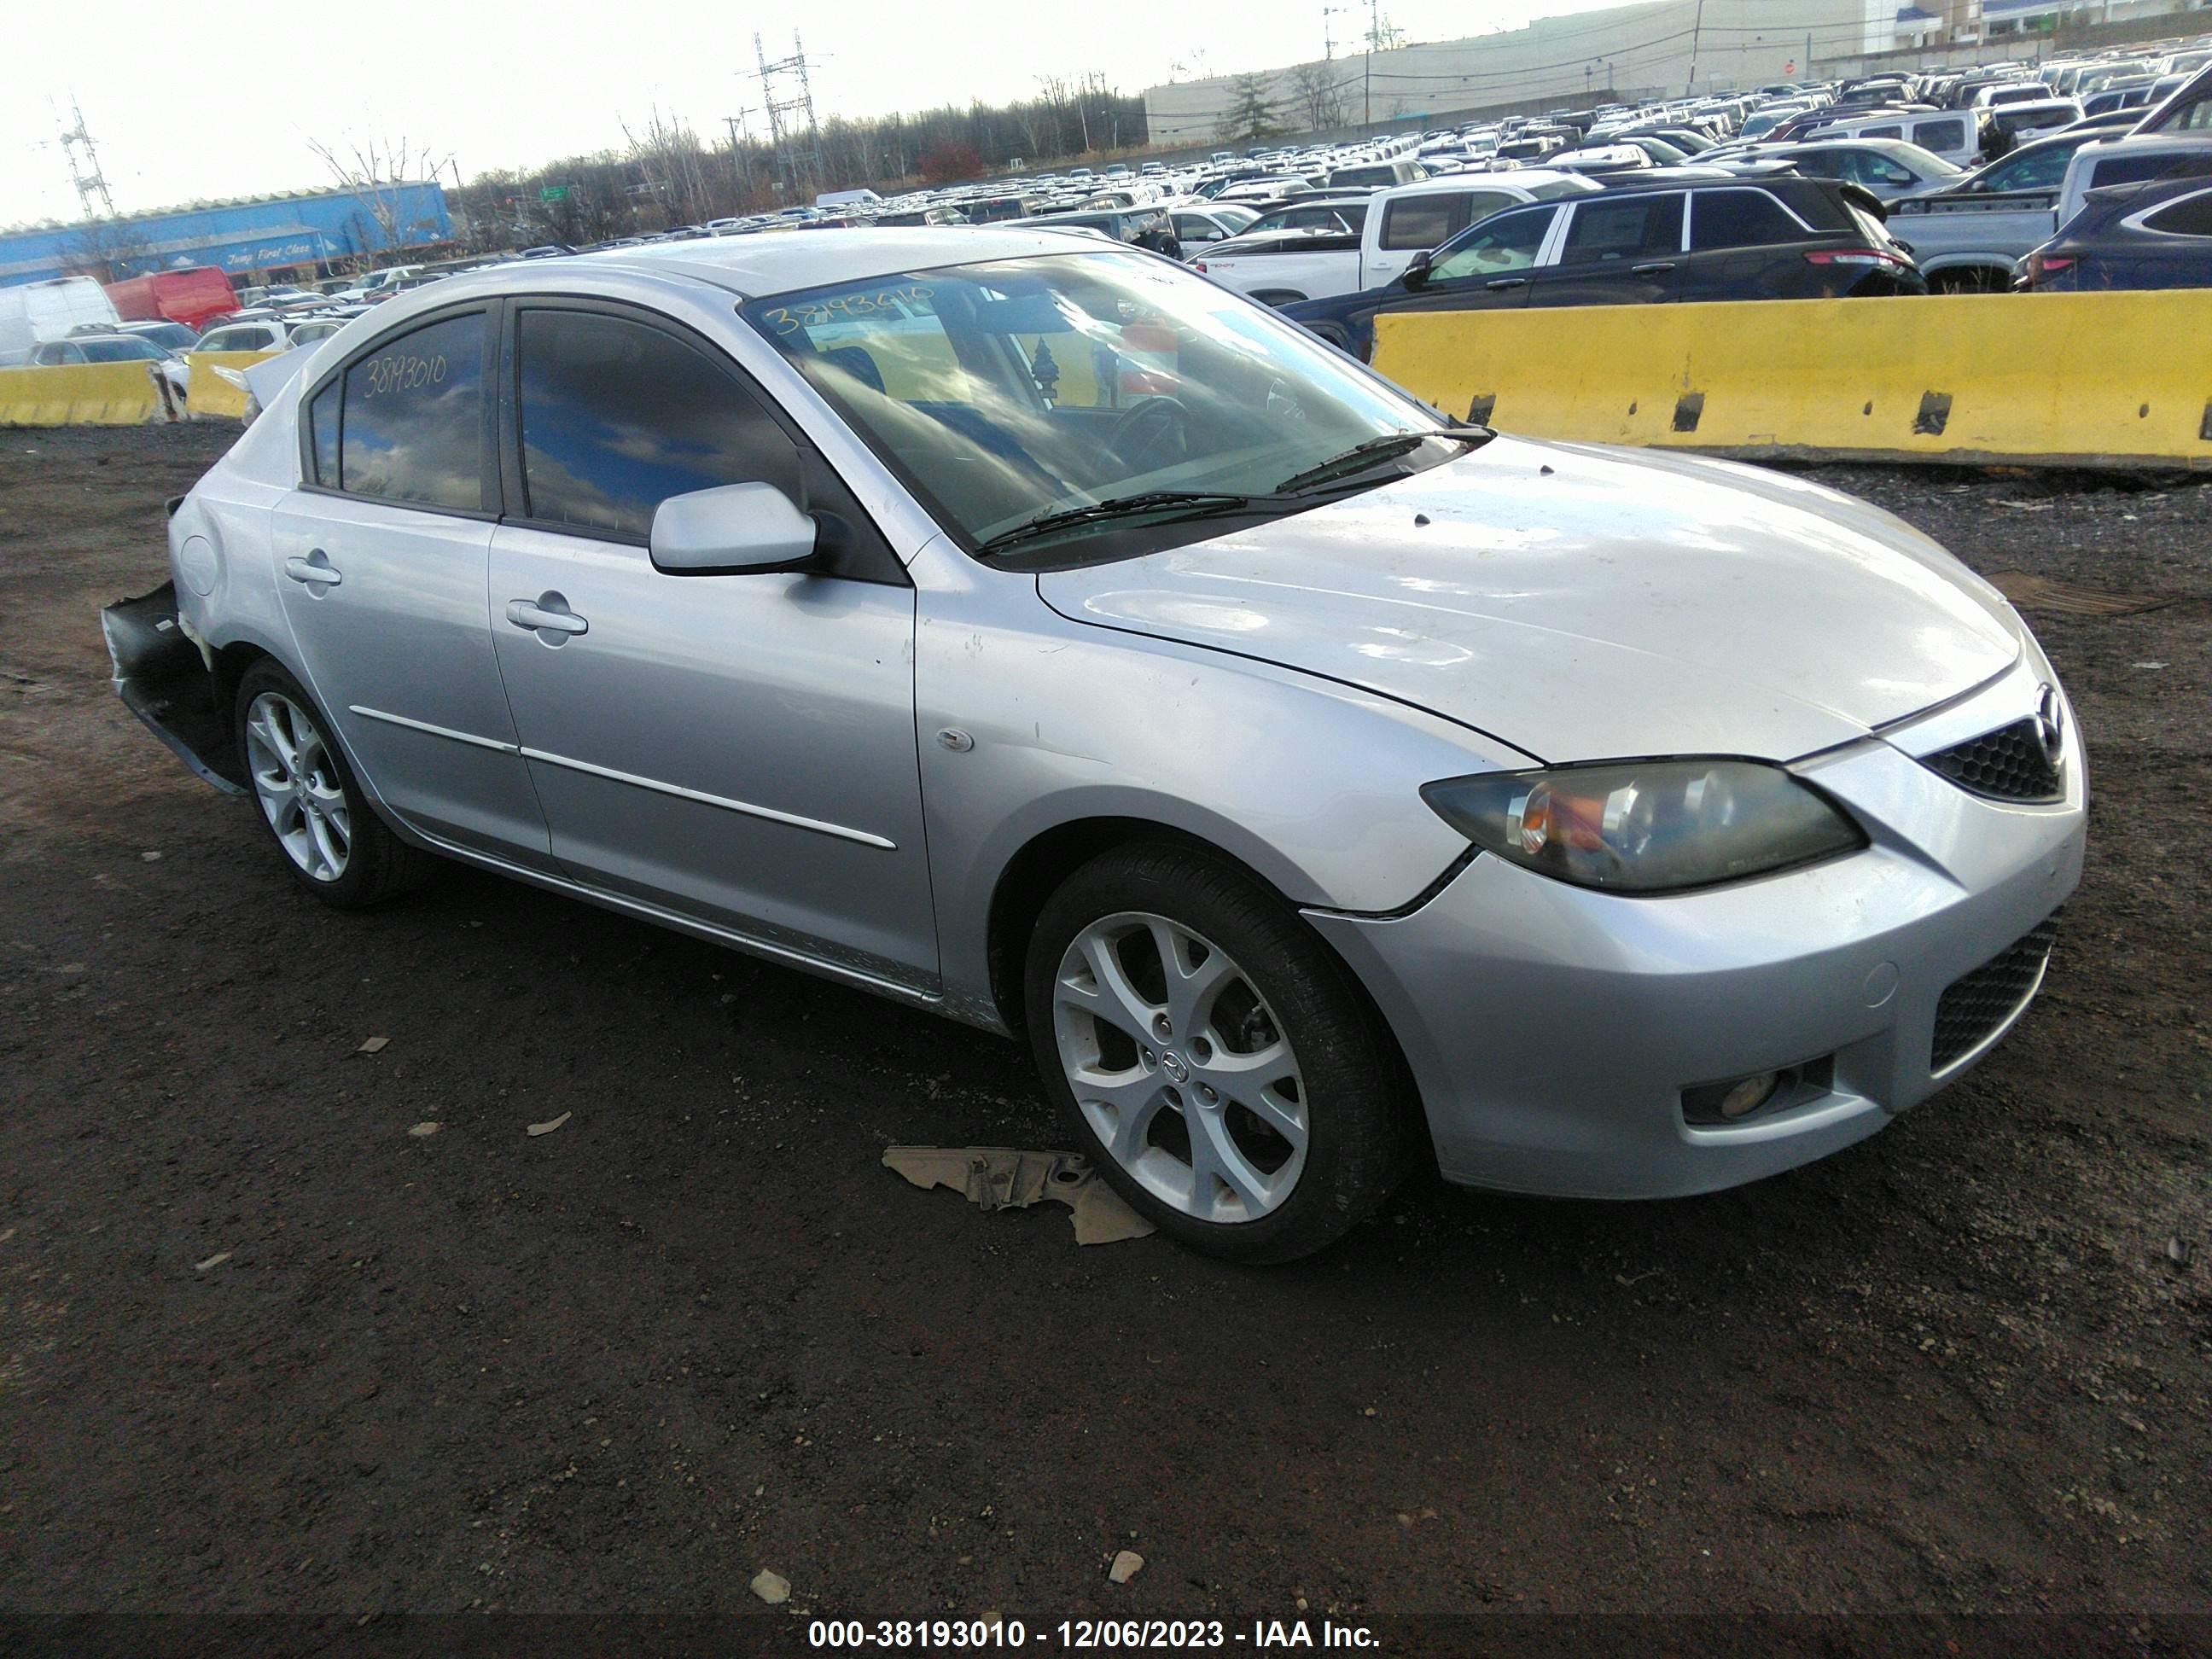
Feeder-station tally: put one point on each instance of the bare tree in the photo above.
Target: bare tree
(371, 169)
(1317, 95)
(107, 249)
(674, 164)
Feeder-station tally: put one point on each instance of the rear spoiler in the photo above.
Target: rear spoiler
(1860, 197)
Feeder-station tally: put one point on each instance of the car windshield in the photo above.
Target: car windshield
(1010, 391)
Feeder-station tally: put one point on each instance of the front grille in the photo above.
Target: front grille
(1978, 1003)
(2006, 764)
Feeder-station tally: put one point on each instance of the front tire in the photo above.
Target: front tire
(1216, 1061)
(329, 837)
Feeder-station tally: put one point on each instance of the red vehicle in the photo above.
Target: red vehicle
(190, 297)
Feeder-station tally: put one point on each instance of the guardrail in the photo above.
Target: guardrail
(86, 394)
(2095, 380)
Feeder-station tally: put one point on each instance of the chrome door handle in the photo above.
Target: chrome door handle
(315, 570)
(1652, 270)
(1508, 282)
(530, 613)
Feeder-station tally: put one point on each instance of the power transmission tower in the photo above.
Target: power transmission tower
(84, 167)
(787, 98)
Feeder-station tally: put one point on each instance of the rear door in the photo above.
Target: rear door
(1616, 250)
(381, 558)
(1744, 245)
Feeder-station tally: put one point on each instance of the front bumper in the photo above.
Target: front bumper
(1551, 1029)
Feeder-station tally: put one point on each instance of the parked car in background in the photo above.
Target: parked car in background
(1776, 239)
(1975, 240)
(112, 349)
(2155, 235)
(173, 338)
(1884, 167)
(1338, 213)
(2038, 164)
(1319, 789)
(1288, 267)
(193, 297)
(1197, 227)
(1146, 227)
(31, 313)
(264, 334)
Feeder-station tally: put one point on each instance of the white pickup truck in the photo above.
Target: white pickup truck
(1283, 268)
(1969, 240)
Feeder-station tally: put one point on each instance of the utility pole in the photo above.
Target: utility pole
(1367, 74)
(1697, 27)
(84, 170)
(793, 162)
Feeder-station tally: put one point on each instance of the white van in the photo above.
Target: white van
(33, 313)
(834, 200)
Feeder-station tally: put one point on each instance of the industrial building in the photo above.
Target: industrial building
(1664, 46)
(283, 237)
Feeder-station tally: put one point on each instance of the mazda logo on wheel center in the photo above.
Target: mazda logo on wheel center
(1176, 1070)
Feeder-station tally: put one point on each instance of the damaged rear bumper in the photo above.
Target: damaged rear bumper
(162, 678)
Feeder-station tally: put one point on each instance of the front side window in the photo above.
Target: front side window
(1509, 242)
(412, 418)
(1740, 218)
(617, 416)
(1005, 390)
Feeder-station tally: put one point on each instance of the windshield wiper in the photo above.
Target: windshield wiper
(1188, 501)
(1388, 446)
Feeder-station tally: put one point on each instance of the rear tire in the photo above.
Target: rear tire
(327, 835)
(1214, 1059)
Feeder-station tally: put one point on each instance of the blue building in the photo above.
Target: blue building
(284, 235)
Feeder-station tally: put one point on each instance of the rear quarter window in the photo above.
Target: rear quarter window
(1739, 218)
(1935, 135)
(2190, 216)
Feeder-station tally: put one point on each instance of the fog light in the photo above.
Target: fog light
(1749, 1095)
(1729, 1101)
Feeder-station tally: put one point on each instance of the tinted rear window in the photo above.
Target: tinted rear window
(1626, 228)
(1740, 218)
(1938, 135)
(2134, 169)
(2190, 216)
(413, 417)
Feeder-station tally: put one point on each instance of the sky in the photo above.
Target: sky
(228, 108)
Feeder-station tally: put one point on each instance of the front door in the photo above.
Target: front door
(382, 557)
(737, 749)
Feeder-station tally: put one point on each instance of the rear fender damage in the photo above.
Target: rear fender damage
(165, 678)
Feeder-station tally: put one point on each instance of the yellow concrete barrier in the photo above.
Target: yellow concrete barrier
(2120, 378)
(83, 394)
(207, 394)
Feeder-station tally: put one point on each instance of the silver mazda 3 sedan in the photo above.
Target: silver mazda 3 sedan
(1035, 632)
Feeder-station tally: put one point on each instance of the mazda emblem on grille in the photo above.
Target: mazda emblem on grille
(2048, 731)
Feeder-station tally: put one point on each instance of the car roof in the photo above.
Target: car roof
(754, 266)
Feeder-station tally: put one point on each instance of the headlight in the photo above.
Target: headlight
(1646, 826)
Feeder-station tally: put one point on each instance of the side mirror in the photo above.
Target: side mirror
(742, 529)
(1416, 273)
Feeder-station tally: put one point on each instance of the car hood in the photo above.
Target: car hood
(1581, 602)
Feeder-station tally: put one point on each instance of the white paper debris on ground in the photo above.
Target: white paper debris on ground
(772, 1588)
(1010, 1178)
(215, 1260)
(424, 1131)
(547, 1128)
(1128, 1564)
(373, 1045)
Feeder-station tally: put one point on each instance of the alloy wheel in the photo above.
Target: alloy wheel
(1180, 1067)
(297, 784)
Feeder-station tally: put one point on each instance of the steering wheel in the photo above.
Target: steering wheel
(1152, 432)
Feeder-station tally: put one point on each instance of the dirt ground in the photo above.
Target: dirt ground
(263, 1349)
